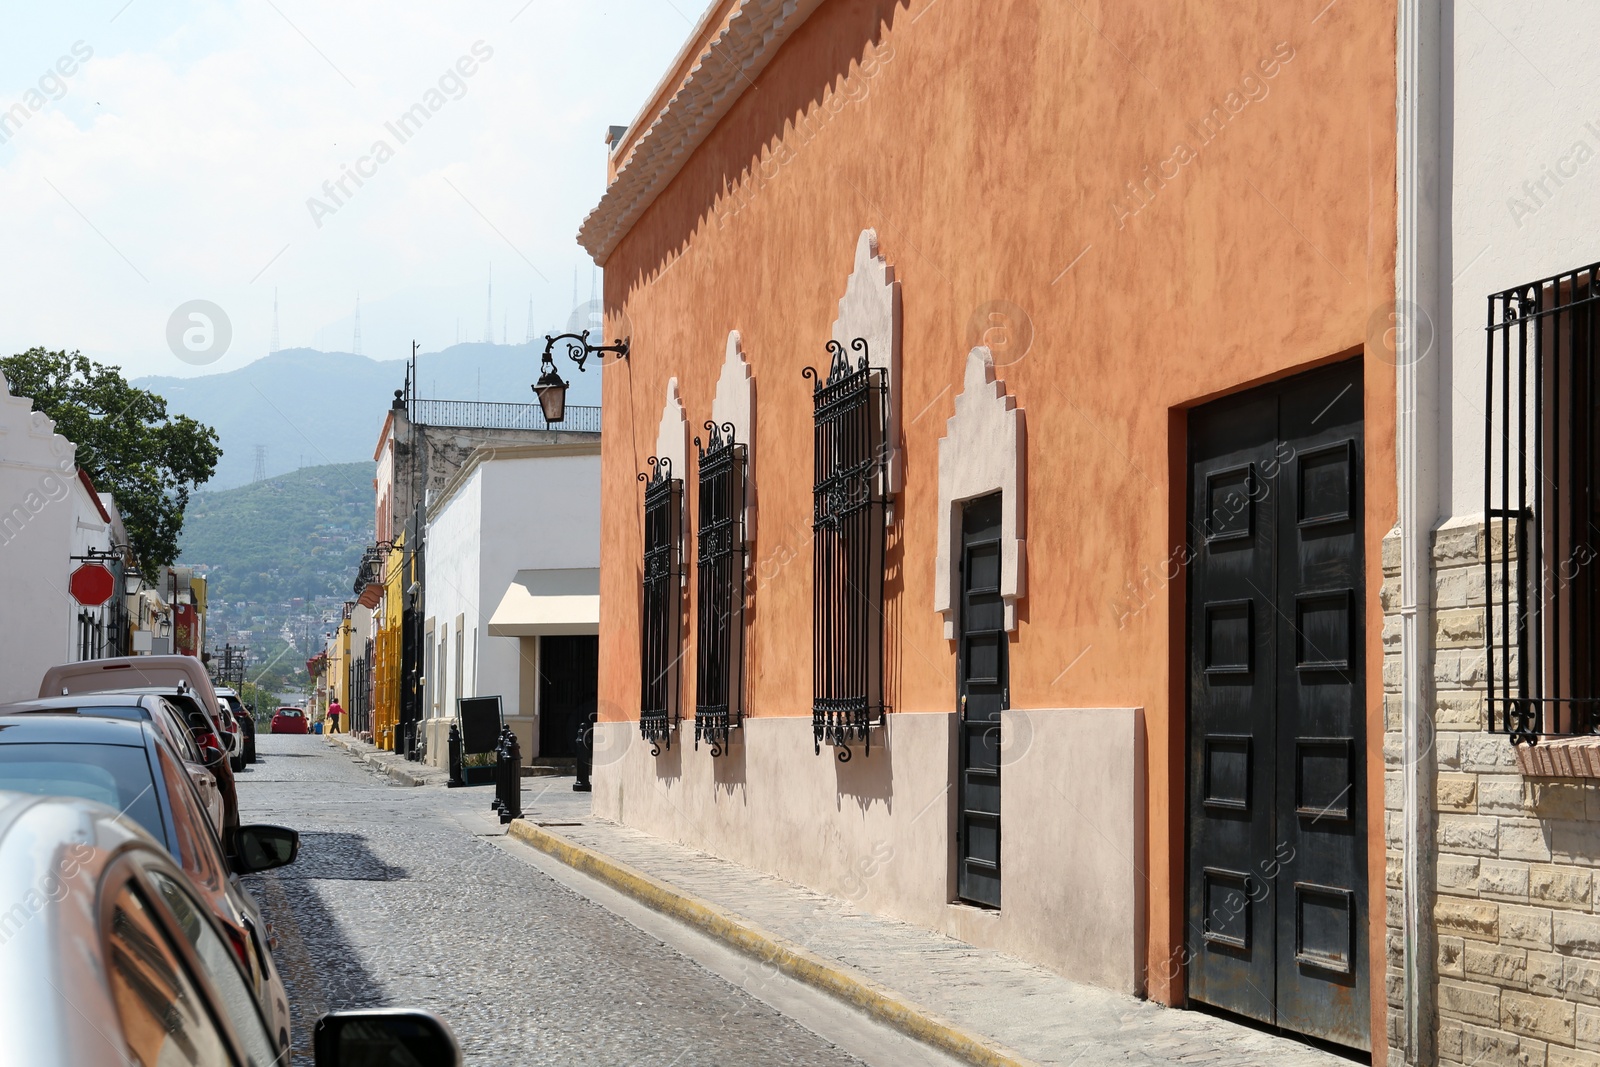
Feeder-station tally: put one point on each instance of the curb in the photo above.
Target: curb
(832, 978)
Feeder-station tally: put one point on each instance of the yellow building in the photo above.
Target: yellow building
(386, 658)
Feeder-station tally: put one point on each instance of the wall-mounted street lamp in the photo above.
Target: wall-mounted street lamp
(550, 388)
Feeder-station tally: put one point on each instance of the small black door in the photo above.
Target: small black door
(1277, 865)
(982, 688)
(569, 679)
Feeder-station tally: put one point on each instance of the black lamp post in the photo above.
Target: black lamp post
(550, 388)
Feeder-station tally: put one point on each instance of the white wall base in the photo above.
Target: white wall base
(878, 830)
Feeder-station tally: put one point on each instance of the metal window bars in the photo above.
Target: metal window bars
(661, 623)
(719, 571)
(850, 413)
(1542, 508)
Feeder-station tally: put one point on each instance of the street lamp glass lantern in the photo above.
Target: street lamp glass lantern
(131, 581)
(552, 393)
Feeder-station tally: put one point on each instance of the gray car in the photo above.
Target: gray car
(127, 764)
(169, 719)
(108, 957)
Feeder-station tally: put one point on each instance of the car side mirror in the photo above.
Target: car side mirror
(211, 753)
(261, 848)
(380, 1038)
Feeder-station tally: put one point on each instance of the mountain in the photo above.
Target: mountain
(299, 535)
(313, 408)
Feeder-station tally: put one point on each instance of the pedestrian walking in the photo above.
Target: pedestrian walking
(334, 711)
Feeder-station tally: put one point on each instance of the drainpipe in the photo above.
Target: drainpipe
(1418, 284)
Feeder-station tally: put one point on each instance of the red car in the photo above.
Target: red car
(288, 720)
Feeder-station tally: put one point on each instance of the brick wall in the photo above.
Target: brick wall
(1514, 911)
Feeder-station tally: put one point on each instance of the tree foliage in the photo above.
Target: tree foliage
(126, 442)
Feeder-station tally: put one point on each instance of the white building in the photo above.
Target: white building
(49, 513)
(512, 591)
(1494, 845)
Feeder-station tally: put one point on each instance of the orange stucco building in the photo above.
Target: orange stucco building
(1117, 268)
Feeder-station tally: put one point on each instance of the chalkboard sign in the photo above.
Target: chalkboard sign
(480, 723)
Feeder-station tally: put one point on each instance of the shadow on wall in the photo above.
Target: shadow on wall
(868, 780)
(669, 765)
(772, 127)
(728, 769)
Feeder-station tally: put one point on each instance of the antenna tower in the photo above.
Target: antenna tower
(261, 463)
(529, 338)
(488, 311)
(355, 346)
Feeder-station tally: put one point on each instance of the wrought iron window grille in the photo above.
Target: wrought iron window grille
(661, 630)
(849, 501)
(719, 571)
(1542, 508)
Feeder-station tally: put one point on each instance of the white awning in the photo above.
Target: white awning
(549, 602)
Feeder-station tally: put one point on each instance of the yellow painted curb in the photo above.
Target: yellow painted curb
(773, 951)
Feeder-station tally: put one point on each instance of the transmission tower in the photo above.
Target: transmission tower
(356, 344)
(274, 347)
(529, 338)
(488, 311)
(261, 463)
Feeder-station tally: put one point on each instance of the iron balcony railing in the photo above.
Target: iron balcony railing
(487, 415)
(1542, 506)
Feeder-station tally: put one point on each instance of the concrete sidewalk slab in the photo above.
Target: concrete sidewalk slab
(982, 1005)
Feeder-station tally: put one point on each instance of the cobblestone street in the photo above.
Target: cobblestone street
(403, 897)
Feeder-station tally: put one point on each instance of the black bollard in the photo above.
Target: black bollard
(455, 757)
(585, 754)
(508, 761)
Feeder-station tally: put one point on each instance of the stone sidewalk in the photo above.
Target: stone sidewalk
(929, 985)
(399, 768)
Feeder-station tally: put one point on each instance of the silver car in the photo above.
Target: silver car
(109, 958)
(127, 764)
(169, 720)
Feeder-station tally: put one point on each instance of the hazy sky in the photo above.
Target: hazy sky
(177, 158)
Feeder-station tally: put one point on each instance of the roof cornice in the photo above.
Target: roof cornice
(720, 61)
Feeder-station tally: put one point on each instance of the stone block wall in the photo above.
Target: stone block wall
(1514, 902)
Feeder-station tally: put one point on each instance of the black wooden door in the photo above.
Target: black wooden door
(982, 690)
(569, 678)
(1277, 853)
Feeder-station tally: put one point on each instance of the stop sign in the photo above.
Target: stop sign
(92, 584)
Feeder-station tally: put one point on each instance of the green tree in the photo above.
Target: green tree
(127, 443)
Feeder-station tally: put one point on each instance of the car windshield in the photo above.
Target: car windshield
(128, 712)
(117, 776)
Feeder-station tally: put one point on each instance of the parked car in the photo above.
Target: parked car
(245, 715)
(287, 720)
(169, 720)
(183, 676)
(129, 966)
(126, 764)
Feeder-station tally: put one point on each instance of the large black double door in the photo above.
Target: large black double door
(1277, 910)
